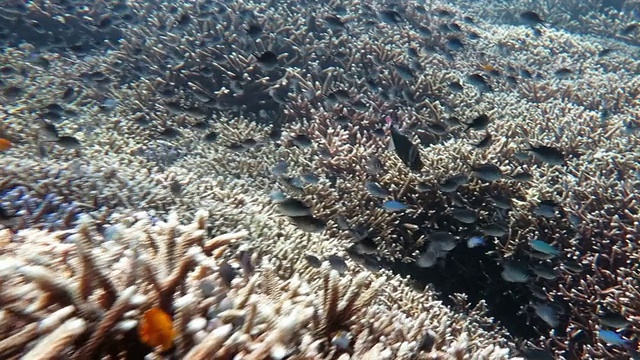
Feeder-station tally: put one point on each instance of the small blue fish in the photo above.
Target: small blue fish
(574, 220)
(479, 82)
(613, 338)
(604, 111)
(538, 292)
(531, 18)
(476, 241)
(543, 247)
(442, 241)
(544, 271)
(501, 201)
(297, 182)
(390, 17)
(374, 166)
(455, 87)
(572, 266)
(310, 178)
(428, 259)
(496, 230)
(547, 154)
(280, 168)
(423, 187)
(522, 155)
(545, 210)
(614, 320)
(452, 183)
(547, 313)
(302, 141)
(342, 222)
(515, 272)
(464, 215)
(404, 71)
(292, 184)
(522, 176)
(338, 264)
(109, 105)
(376, 190)
(277, 195)
(487, 172)
(455, 44)
(393, 205)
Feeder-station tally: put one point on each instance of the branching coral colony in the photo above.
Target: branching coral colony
(76, 294)
(241, 108)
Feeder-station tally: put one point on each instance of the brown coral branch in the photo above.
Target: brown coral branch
(13, 344)
(90, 270)
(222, 240)
(58, 288)
(54, 344)
(111, 317)
(169, 286)
(207, 349)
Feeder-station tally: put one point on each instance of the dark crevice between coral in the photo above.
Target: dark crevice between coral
(476, 273)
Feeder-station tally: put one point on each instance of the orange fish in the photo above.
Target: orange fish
(156, 329)
(5, 144)
(487, 67)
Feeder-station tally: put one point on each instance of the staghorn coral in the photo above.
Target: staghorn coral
(583, 17)
(255, 317)
(167, 74)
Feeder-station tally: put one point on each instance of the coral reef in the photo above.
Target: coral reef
(76, 294)
(602, 18)
(184, 113)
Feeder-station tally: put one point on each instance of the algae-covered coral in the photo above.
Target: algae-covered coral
(227, 166)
